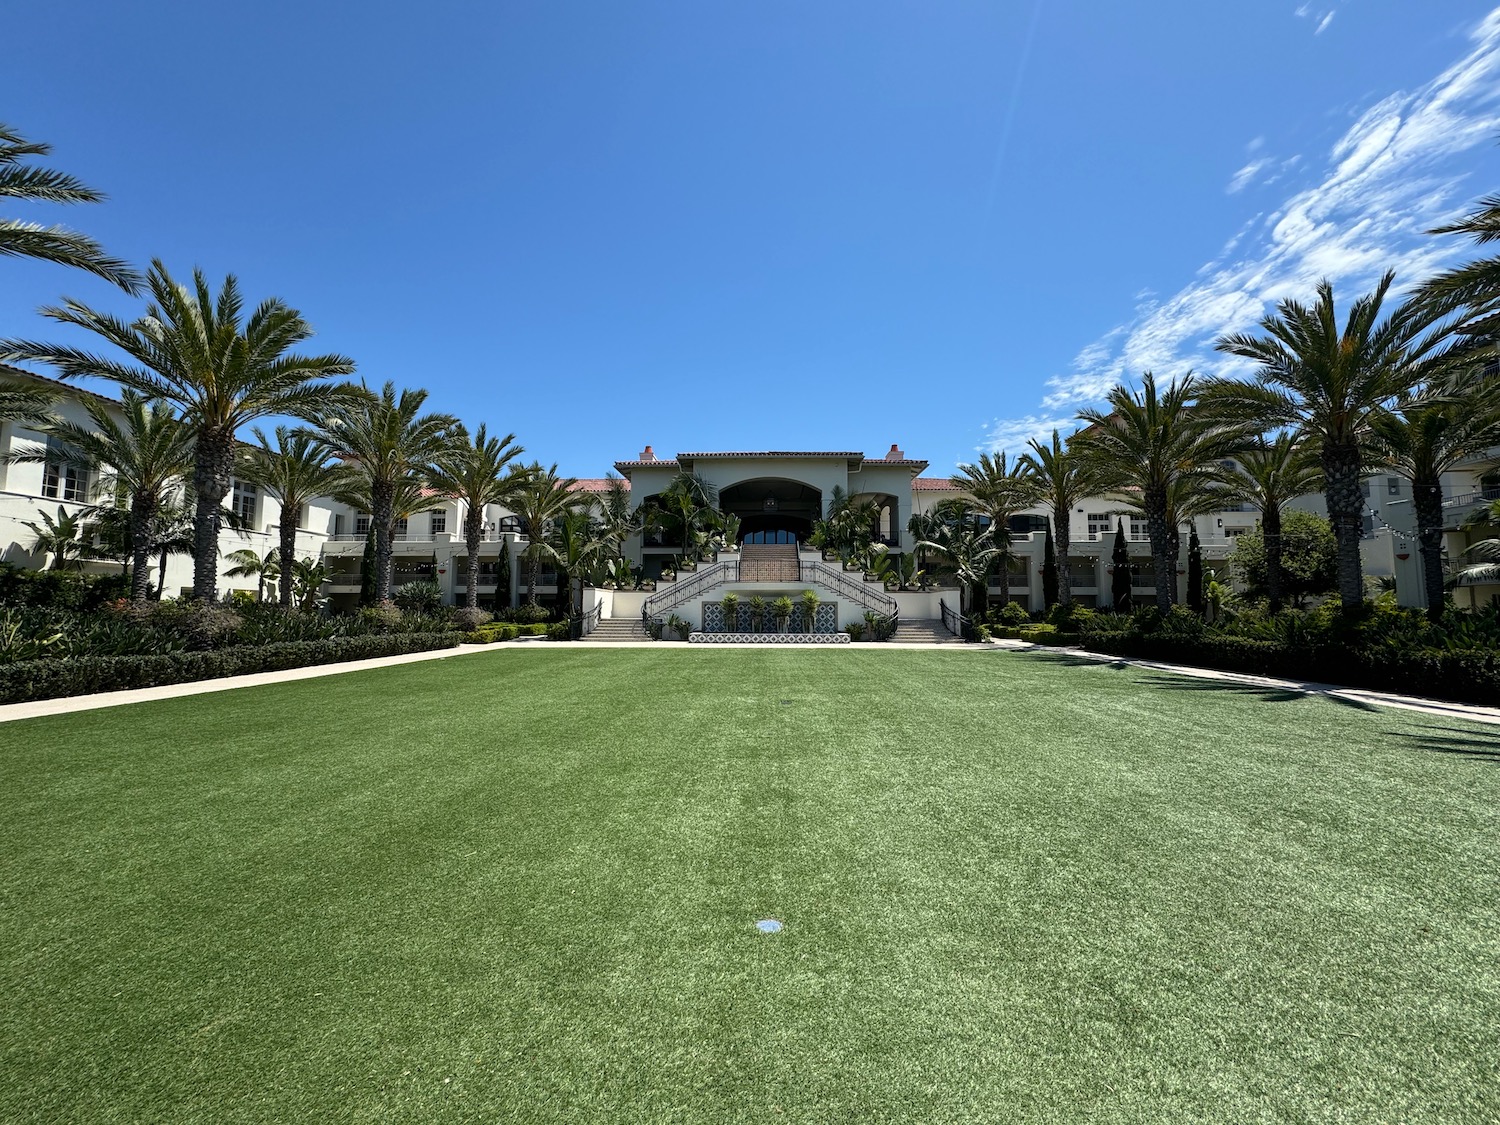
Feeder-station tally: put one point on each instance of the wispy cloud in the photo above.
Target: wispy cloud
(1320, 15)
(1385, 182)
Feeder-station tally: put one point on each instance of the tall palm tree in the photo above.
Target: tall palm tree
(618, 521)
(543, 498)
(1269, 474)
(386, 444)
(296, 471)
(1487, 551)
(1001, 490)
(1063, 479)
(1331, 384)
(1424, 436)
(192, 350)
(475, 473)
(959, 537)
(145, 453)
(62, 538)
(1156, 448)
(51, 244)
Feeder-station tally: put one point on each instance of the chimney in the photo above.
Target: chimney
(895, 454)
(648, 454)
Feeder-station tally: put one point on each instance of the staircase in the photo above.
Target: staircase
(930, 632)
(768, 562)
(618, 629)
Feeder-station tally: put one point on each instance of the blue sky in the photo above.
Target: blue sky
(780, 225)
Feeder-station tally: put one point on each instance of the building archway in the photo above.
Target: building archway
(773, 509)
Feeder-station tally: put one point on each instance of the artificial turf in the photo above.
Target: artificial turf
(522, 886)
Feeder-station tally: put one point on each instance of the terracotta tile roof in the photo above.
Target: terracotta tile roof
(6, 371)
(935, 484)
(764, 453)
(597, 484)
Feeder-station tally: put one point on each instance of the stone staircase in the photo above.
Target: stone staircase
(768, 562)
(618, 629)
(923, 633)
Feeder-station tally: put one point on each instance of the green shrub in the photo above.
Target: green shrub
(467, 620)
(855, 631)
(51, 679)
(1072, 618)
(1011, 615)
(557, 631)
(528, 614)
(1040, 635)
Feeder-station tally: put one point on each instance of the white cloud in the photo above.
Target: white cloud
(1323, 23)
(1012, 434)
(1386, 181)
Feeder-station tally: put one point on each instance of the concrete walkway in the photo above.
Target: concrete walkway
(1470, 711)
(42, 707)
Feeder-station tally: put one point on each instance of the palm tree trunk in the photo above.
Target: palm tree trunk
(212, 471)
(383, 520)
(1345, 508)
(984, 596)
(161, 575)
(533, 557)
(1062, 540)
(1163, 566)
(1270, 529)
(473, 534)
(288, 552)
(1427, 501)
(142, 508)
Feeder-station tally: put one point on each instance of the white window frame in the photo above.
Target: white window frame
(439, 524)
(65, 480)
(244, 500)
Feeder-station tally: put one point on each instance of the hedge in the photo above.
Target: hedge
(1465, 676)
(490, 634)
(55, 678)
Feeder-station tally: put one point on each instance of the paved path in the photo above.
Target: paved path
(13, 711)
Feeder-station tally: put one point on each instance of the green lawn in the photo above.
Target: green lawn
(522, 886)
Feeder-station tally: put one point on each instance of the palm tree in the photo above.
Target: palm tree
(969, 547)
(1477, 283)
(1332, 384)
(617, 520)
(690, 502)
(474, 472)
(190, 349)
(145, 452)
(51, 244)
(1157, 449)
(62, 538)
(1424, 436)
(25, 403)
(308, 576)
(296, 471)
(264, 569)
(543, 498)
(385, 442)
(1269, 474)
(580, 548)
(1487, 551)
(1000, 490)
(1063, 479)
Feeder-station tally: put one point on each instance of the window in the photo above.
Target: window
(401, 525)
(1099, 525)
(243, 502)
(1393, 486)
(1138, 532)
(64, 481)
(439, 523)
(1235, 532)
(1364, 488)
(362, 523)
(338, 523)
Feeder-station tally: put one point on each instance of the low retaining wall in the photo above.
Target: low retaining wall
(768, 638)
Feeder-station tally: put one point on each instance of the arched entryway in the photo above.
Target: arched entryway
(773, 510)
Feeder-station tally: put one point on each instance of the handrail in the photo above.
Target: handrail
(590, 620)
(857, 591)
(716, 574)
(952, 621)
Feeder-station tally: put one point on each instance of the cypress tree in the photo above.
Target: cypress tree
(1049, 569)
(502, 577)
(367, 571)
(1119, 590)
(1195, 572)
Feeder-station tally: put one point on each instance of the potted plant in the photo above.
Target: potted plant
(679, 626)
(782, 608)
(757, 613)
(731, 613)
(809, 610)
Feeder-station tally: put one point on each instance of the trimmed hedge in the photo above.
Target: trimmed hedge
(1465, 676)
(490, 634)
(55, 678)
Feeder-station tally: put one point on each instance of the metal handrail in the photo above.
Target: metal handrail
(952, 621)
(716, 574)
(586, 623)
(856, 591)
